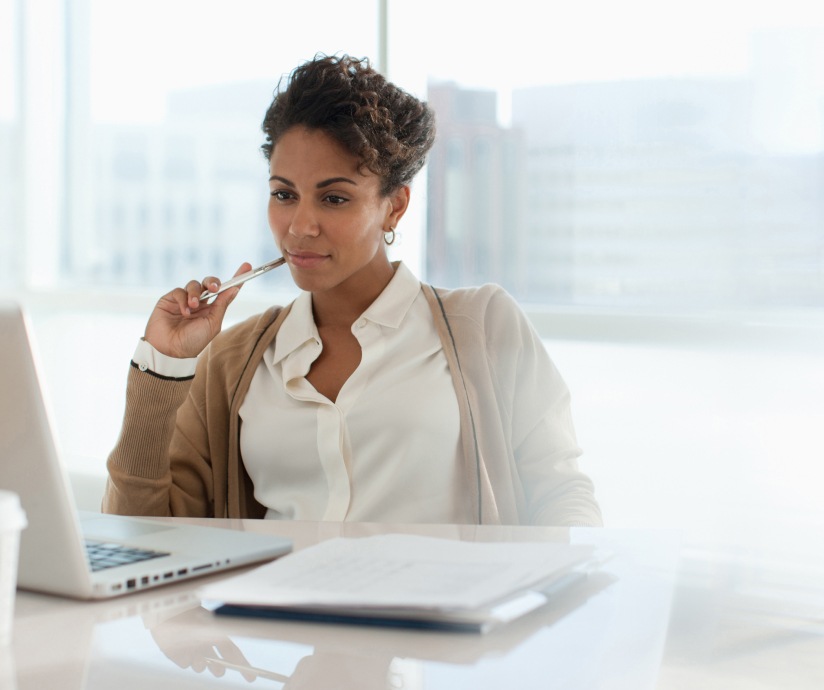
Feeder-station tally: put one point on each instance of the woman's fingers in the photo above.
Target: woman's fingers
(225, 298)
(181, 325)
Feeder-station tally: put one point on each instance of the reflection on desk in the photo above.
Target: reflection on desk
(617, 631)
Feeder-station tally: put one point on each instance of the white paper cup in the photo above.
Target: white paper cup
(12, 521)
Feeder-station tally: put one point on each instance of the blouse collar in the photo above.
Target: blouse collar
(389, 310)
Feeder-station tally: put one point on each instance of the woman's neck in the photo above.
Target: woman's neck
(343, 305)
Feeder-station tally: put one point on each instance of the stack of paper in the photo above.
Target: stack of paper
(405, 580)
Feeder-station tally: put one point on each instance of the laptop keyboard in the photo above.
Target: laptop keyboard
(104, 555)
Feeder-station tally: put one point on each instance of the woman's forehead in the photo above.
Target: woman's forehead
(313, 154)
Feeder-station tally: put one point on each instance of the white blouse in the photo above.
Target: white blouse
(388, 449)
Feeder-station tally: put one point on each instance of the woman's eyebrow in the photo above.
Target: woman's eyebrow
(319, 185)
(334, 180)
(288, 183)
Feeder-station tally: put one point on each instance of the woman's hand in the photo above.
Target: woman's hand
(181, 325)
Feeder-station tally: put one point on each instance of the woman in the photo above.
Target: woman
(371, 397)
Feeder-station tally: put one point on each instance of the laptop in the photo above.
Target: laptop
(88, 555)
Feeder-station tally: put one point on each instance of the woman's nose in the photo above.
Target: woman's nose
(304, 223)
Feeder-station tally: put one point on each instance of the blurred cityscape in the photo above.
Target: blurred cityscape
(639, 194)
(653, 193)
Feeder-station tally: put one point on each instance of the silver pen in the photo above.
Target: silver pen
(243, 277)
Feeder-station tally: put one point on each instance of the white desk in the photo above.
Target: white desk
(657, 617)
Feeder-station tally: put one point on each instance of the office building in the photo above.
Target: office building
(675, 192)
(474, 215)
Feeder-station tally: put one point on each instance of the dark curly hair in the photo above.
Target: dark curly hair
(387, 129)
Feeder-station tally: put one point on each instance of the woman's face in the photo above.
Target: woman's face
(327, 217)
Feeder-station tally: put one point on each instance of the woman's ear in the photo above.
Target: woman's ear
(399, 202)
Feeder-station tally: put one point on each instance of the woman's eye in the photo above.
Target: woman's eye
(335, 200)
(281, 195)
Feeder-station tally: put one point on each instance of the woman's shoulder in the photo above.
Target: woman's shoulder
(479, 302)
(483, 314)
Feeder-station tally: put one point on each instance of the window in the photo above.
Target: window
(644, 176)
(660, 156)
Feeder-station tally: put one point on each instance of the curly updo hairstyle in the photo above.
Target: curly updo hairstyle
(388, 130)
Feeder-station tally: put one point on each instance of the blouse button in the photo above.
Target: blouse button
(143, 366)
(361, 323)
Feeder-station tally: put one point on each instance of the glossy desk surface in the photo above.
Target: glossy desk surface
(657, 616)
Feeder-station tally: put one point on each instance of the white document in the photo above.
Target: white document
(400, 572)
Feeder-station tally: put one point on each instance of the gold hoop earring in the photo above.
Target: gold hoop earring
(389, 236)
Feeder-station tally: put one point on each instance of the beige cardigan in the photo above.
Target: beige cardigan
(179, 448)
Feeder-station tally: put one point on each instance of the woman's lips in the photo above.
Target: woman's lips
(301, 259)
